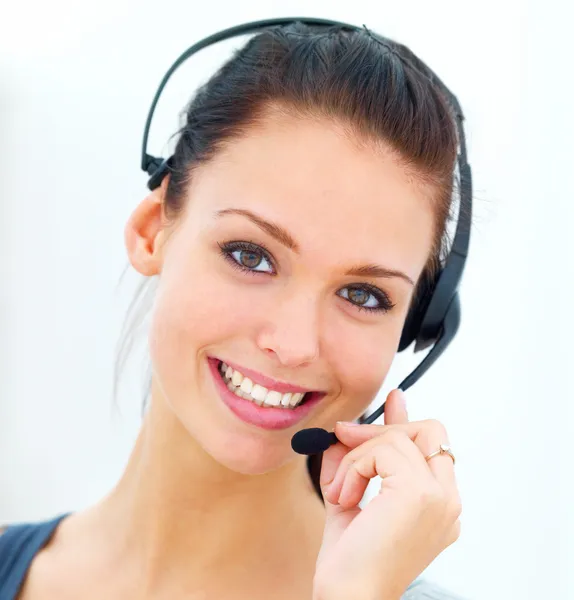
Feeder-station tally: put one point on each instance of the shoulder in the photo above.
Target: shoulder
(19, 544)
(421, 589)
(22, 535)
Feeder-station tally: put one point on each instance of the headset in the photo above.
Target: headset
(434, 317)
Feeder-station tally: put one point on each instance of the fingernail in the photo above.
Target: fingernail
(347, 423)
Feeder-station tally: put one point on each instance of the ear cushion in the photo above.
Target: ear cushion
(417, 311)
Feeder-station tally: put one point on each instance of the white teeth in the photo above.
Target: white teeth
(245, 388)
(273, 398)
(246, 385)
(258, 393)
(296, 399)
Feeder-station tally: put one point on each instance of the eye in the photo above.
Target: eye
(367, 297)
(247, 257)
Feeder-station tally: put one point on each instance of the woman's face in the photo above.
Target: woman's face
(256, 274)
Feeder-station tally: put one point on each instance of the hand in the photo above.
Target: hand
(377, 552)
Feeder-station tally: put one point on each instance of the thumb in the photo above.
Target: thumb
(396, 408)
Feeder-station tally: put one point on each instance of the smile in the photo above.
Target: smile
(259, 400)
(245, 388)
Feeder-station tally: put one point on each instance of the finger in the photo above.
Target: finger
(384, 461)
(411, 459)
(332, 458)
(396, 408)
(351, 456)
(353, 434)
(429, 440)
(427, 435)
(337, 517)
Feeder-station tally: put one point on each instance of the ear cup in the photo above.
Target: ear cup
(416, 314)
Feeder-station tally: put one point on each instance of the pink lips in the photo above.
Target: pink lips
(269, 417)
(267, 382)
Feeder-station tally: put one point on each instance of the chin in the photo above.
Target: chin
(235, 432)
(243, 452)
(240, 447)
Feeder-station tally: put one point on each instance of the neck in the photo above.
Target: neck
(177, 510)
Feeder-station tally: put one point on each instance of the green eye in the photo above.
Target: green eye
(247, 257)
(252, 258)
(367, 297)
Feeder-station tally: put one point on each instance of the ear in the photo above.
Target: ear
(145, 231)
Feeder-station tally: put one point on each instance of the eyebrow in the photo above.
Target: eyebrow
(285, 238)
(274, 230)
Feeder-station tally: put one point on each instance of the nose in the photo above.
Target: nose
(291, 331)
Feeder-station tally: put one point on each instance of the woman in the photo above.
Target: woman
(313, 154)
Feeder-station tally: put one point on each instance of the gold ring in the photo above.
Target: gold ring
(444, 449)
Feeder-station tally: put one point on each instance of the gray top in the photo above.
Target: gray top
(425, 590)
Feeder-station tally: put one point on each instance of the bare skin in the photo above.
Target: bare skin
(210, 506)
(112, 551)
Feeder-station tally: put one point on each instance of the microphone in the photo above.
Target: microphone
(313, 440)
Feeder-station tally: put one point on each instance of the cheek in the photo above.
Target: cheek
(195, 308)
(362, 359)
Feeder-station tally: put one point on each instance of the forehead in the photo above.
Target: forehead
(328, 190)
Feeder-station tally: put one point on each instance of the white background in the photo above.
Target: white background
(76, 80)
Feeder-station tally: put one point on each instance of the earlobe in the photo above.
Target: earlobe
(143, 234)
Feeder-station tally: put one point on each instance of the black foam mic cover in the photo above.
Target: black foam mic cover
(312, 441)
